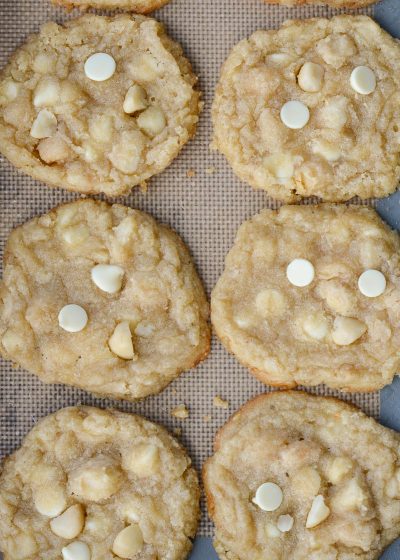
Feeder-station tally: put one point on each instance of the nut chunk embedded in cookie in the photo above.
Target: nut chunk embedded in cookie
(104, 298)
(313, 109)
(311, 294)
(91, 484)
(100, 104)
(295, 476)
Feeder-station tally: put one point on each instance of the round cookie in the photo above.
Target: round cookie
(103, 298)
(334, 142)
(139, 6)
(89, 484)
(297, 476)
(311, 294)
(333, 3)
(101, 124)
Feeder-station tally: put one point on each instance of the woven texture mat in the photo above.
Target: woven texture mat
(206, 209)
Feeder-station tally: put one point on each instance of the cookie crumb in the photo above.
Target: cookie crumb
(207, 418)
(220, 403)
(210, 170)
(177, 431)
(190, 173)
(180, 412)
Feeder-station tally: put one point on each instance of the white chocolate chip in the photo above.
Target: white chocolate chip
(128, 542)
(72, 318)
(327, 150)
(281, 166)
(96, 480)
(338, 469)
(316, 326)
(45, 125)
(74, 235)
(100, 67)
(363, 80)
(347, 330)
(69, 524)
(76, 551)
(10, 90)
(120, 342)
(295, 115)
(53, 149)
(108, 277)
(144, 460)
(47, 92)
(50, 501)
(372, 283)
(318, 513)
(135, 99)
(285, 523)
(300, 272)
(310, 77)
(268, 496)
(152, 121)
(350, 497)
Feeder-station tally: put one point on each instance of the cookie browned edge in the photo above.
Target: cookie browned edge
(186, 250)
(354, 4)
(152, 5)
(242, 410)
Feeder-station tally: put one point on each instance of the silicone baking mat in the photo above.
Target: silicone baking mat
(198, 196)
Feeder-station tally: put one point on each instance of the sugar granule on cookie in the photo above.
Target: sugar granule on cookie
(312, 109)
(295, 476)
(103, 298)
(89, 484)
(311, 294)
(100, 104)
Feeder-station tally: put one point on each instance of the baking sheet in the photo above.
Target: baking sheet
(206, 209)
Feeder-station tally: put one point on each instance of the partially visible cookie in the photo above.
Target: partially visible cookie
(311, 294)
(91, 484)
(139, 6)
(333, 3)
(313, 109)
(295, 476)
(98, 105)
(103, 298)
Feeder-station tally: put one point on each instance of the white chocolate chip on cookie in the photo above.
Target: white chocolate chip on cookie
(285, 523)
(347, 330)
(295, 115)
(45, 125)
(363, 80)
(128, 542)
(47, 92)
(144, 460)
(69, 524)
(310, 77)
(76, 551)
(268, 496)
(318, 513)
(316, 326)
(300, 272)
(372, 283)
(152, 121)
(96, 480)
(72, 318)
(50, 501)
(120, 341)
(108, 277)
(100, 67)
(135, 99)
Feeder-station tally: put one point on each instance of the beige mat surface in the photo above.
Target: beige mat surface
(205, 209)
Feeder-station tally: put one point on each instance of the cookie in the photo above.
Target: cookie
(313, 109)
(297, 476)
(103, 298)
(333, 3)
(98, 105)
(89, 484)
(139, 6)
(311, 294)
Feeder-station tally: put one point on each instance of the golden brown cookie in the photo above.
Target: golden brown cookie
(295, 476)
(91, 484)
(98, 105)
(139, 6)
(333, 3)
(103, 298)
(311, 294)
(313, 109)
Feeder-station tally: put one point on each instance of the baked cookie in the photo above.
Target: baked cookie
(333, 3)
(313, 109)
(296, 476)
(311, 294)
(98, 105)
(90, 484)
(103, 298)
(139, 6)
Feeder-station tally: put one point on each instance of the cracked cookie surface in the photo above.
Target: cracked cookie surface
(89, 484)
(326, 331)
(103, 298)
(107, 132)
(347, 144)
(337, 470)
